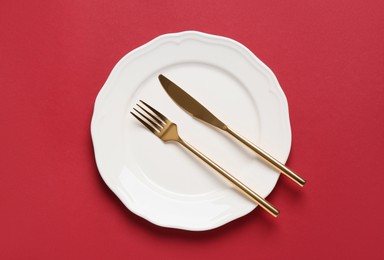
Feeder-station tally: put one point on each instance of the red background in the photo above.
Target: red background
(56, 55)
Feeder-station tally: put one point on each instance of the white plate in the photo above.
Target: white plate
(164, 183)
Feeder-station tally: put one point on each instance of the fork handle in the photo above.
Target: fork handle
(242, 187)
(268, 158)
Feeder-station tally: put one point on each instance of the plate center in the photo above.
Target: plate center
(169, 166)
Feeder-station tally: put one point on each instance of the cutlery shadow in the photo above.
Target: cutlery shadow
(203, 167)
(293, 187)
(290, 191)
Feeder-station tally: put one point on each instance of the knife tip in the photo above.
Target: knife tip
(163, 80)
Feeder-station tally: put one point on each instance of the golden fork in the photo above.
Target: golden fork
(166, 130)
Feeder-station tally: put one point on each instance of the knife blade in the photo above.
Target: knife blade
(189, 104)
(197, 110)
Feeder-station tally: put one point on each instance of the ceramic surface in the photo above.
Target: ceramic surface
(163, 183)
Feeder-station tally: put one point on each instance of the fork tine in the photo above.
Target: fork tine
(162, 117)
(150, 128)
(158, 121)
(150, 121)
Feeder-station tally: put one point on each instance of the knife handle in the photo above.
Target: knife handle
(242, 187)
(268, 158)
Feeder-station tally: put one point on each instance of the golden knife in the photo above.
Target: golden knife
(197, 110)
